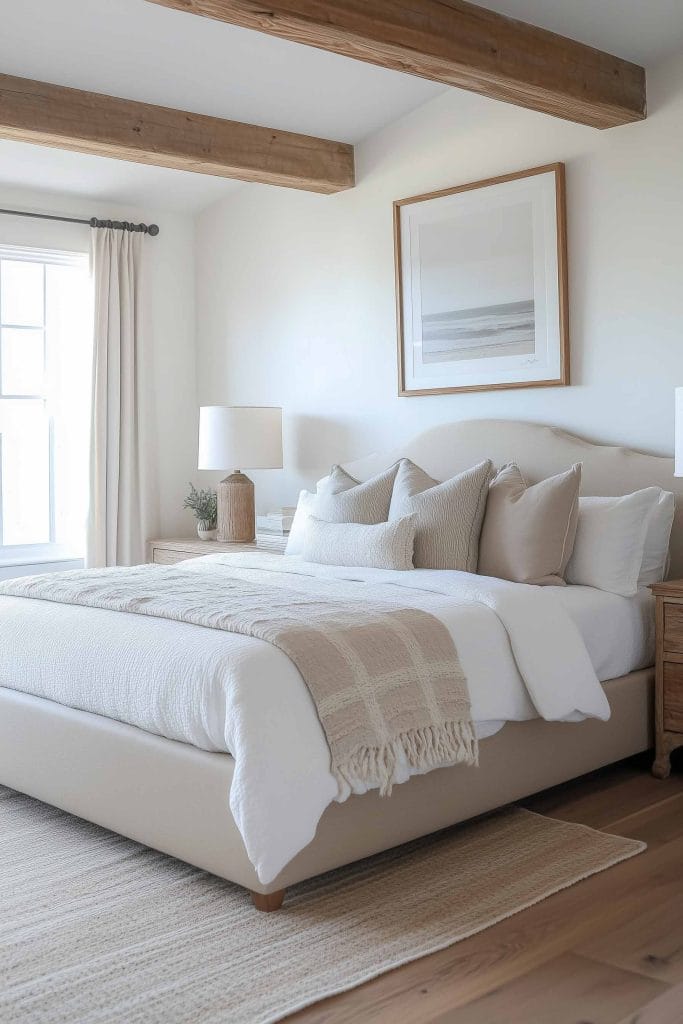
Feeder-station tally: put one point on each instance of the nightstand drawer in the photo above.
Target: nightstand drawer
(673, 627)
(673, 696)
(165, 556)
(669, 675)
(168, 552)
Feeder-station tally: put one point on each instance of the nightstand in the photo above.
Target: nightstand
(669, 674)
(168, 552)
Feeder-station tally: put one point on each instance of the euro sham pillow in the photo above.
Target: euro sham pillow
(655, 565)
(528, 531)
(448, 515)
(380, 546)
(610, 541)
(297, 534)
(342, 499)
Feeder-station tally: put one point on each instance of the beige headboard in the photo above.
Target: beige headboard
(539, 451)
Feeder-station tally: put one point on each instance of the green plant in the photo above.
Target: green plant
(204, 505)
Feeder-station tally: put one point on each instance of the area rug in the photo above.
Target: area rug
(96, 929)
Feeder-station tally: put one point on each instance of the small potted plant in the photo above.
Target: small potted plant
(204, 505)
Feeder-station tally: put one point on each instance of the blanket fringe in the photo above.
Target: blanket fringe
(423, 749)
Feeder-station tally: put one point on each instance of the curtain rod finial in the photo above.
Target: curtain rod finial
(153, 229)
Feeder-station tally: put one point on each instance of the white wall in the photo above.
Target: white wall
(169, 325)
(295, 292)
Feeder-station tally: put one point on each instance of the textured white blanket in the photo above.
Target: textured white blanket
(519, 649)
(384, 677)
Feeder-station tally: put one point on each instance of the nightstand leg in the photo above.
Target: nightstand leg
(661, 768)
(664, 744)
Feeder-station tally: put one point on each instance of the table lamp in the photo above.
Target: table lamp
(239, 435)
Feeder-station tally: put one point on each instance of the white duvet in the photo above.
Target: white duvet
(521, 650)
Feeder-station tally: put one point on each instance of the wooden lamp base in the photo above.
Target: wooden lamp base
(236, 511)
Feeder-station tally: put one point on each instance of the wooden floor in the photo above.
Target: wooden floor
(608, 950)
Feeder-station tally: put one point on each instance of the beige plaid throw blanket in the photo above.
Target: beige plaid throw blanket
(385, 679)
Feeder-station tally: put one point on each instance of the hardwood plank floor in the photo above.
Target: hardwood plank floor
(666, 1009)
(580, 990)
(650, 943)
(608, 950)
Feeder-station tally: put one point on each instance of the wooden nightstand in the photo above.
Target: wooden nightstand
(669, 674)
(168, 552)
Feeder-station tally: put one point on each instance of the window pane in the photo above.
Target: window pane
(24, 435)
(21, 293)
(45, 350)
(23, 361)
(69, 342)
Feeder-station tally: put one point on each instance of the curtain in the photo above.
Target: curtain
(119, 509)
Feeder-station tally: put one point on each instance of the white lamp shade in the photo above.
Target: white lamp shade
(240, 437)
(678, 452)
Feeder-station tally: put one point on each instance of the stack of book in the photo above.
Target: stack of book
(279, 522)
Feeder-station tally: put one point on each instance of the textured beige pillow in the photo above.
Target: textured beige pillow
(528, 532)
(382, 546)
(341, 499)
(448, 516)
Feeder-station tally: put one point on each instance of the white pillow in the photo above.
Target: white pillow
(655, 564)
(380, 546)
(297, 534)
(340, 498)
(610, 541)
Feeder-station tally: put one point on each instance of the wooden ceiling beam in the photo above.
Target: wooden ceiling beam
(88, 122)
(454, 42)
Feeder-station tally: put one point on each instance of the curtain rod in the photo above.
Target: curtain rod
(148, 229)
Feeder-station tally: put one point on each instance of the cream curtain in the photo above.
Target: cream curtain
(119, 500)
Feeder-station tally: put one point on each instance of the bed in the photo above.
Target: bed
(176, 794)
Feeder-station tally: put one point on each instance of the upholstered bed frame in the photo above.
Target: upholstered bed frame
(174, 797)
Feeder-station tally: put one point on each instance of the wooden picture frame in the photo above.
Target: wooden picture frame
(494, 240)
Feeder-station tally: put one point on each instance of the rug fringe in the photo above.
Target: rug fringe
(434, 746)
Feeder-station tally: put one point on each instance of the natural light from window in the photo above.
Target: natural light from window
(45, 386)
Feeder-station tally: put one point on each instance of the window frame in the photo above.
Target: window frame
(41, 555)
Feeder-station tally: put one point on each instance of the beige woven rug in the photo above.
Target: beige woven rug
(95, 929)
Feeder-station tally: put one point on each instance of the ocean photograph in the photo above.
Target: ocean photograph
(487, 332)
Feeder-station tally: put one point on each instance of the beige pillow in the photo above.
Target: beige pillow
(448, 516)
(528, 532)
(381, 546)
(341, 499)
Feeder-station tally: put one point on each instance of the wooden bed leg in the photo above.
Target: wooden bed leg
(269, 901)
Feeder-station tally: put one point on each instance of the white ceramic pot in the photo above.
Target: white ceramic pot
(205, 531)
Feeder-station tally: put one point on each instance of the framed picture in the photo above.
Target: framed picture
(481, 285)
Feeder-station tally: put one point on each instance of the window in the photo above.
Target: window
(45, 385)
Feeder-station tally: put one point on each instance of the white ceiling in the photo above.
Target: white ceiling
(57, 171)
(142, 51)
(145, 52)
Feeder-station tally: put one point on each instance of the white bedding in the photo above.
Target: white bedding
(525, 651)
(619, 632)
